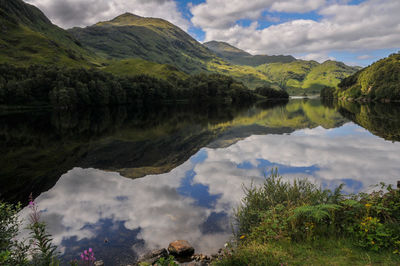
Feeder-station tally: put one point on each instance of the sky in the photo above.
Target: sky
(357, 32)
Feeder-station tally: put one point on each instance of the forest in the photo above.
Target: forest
(39, 85)
(378, 82)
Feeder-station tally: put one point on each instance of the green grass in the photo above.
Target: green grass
(250, 76)
(28, 37)
(308, 77)
(327, 74)
(130, 67)
(335, 251)
(298, 223)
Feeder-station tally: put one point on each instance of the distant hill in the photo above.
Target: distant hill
(309, 77)
(27, 36)
(153, 39)
(240, 57)
(379, 81)
(130, 45)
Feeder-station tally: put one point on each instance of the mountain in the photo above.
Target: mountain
(240, 57)
(130, 36)
(296, 76)
(225, 50)
(309, 77)
(129, 45)
(153, 39)
(27, 37)
(379, 81)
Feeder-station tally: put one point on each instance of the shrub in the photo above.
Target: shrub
(12, 252)
(301, 211)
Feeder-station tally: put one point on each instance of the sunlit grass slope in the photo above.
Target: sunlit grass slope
(153, 39)
(129, 67)
(309, 77)
(28, 37)
(240, 57)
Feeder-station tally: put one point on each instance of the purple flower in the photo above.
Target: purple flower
(90, 250)
(85, 252)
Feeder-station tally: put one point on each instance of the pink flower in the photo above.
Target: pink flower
(90, 250)
(85, 252)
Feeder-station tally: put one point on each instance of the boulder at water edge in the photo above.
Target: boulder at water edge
(180, 248)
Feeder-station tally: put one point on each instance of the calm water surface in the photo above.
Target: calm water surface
(125, 181)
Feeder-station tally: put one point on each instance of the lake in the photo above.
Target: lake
(126, 180)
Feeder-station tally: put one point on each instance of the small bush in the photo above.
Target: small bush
(12, 252)
(301, 211)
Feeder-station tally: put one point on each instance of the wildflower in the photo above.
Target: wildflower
(368, 205)
(242, 237)
(372, 242)
(87, 256)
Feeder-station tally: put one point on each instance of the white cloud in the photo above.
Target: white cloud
(319, 57)
(373, 24)
(83, 197)
(297, 6)
(221, 14)
(70, 13)
(364, 57)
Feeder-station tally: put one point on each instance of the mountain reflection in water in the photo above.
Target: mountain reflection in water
(189, 191)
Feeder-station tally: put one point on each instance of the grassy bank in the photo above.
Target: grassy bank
(282, 223)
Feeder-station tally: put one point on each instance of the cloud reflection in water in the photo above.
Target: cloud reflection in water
(195, 200)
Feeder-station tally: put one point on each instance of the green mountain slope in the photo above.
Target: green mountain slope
(327, 74)
(240, 57)
(129, 36)
(309, 77)
(27, 36)
(380, 81)
(225, 50)
(126, 67)
(153, 39)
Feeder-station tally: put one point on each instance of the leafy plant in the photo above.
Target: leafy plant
(170, 261)
(44, 252)
(12, 251)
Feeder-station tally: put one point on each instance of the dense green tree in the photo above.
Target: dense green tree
(379, 81)
(272, 93)
(61, 87)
